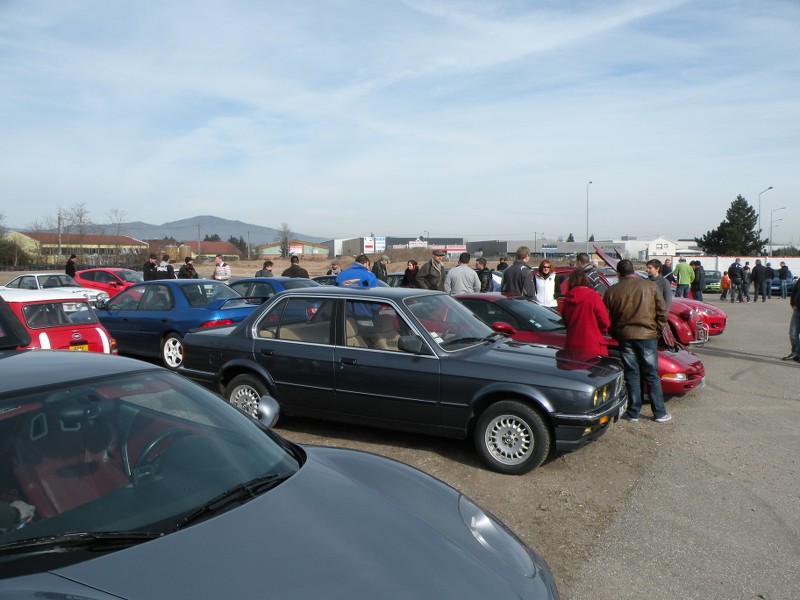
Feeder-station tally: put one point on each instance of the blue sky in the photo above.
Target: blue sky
(343, 118)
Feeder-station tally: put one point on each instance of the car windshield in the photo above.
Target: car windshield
(451, 324)
(130, 276)
(132, 452)
(538, 317)
(58, 313)
(55, 280)
(201, 293)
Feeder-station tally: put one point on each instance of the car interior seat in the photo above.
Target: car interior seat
(66, 455)
(351, 334)
(385, 334)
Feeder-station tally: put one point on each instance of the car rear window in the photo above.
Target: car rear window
(43, 315)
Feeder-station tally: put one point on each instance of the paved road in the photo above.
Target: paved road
(716, 515)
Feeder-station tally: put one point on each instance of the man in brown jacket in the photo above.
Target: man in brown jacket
(638, 314)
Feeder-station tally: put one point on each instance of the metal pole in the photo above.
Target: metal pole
(587, 217)
(772, 221)
(759, 209)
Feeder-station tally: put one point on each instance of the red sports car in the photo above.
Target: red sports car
(711, 315)
(109, 279)
(522, 319)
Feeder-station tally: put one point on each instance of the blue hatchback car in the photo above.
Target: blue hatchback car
(151, 318)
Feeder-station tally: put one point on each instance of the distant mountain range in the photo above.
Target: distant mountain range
(198, 228)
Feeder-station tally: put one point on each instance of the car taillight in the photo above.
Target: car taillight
(114, 346)
(217, 322)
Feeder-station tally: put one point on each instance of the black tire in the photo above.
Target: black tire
(512, 438)
(244, 392)
(172, 351)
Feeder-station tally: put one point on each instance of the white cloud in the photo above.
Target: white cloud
(339, 118)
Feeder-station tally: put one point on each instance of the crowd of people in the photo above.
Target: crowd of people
(633, 311)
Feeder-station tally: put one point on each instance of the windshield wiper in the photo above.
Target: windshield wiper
(105, 541)
(465, 340)
(235, 495)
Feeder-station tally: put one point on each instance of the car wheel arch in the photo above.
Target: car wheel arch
(236, 367)
(533, 401)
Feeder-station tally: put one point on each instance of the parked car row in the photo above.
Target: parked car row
(121, 479)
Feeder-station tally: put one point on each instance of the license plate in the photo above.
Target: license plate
(80, 347)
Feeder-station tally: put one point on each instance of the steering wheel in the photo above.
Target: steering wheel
(142, 461)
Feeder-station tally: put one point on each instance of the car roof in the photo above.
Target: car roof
(112, 269)
(279, 278)
(489, 296)
(375, 292)
(15, 295)
(45, 368)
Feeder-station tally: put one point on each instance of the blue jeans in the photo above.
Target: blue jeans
(783, 289)
(640, 360)
(794, 332)
(682, 291)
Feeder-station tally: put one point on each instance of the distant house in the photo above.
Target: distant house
(304, 249)
(206, 251)
(90, 248)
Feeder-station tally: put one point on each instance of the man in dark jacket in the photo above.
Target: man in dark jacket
(164, 270)
(794, 326)
(582, 261)
(699, 281)
(518, 278)
(187, 271)
(379, 268)
(69, 268)
(759, 275)
(431, 275)
(295, 270)
(783, 276)
(150, 269)
(770, 276)
(484, 274)
(736, 275)
(638, 315)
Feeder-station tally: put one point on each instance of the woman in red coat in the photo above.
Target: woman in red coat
(585, 316)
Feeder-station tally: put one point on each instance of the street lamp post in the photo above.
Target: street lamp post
(587, 217)
(759, 208)
(772, 221)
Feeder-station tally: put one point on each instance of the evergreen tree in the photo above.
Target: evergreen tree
(240, 243)
(591, 238)
(570, 238)
(212, 238)
(736, 235)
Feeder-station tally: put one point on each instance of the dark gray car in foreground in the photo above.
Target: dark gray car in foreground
(148, 486)
(413, 360)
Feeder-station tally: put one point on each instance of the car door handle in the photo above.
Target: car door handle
(348, 361)
(267, 352)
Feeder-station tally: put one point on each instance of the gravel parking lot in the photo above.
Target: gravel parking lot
(703, 507)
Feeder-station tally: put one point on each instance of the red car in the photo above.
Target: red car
(684, 320)
(714, 317)
(59, 321)
(111, 280)
(523, 320)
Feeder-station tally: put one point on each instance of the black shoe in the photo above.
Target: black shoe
(791, 356)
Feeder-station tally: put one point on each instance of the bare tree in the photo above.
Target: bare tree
(116, 217)
(77, 218)
(2, 224)
(285, 235)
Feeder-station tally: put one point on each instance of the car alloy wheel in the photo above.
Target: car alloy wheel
(172, 351)
(244, 392)
(512, 437)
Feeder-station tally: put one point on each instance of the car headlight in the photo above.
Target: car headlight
(600, 395)
(495, 537)
(102, 296)
(675, 376)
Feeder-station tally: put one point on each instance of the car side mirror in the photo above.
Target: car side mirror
(101, 303)
(410, 343)
(503, 327)
(268, 411)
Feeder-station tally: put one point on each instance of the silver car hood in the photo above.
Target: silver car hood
(348, 525)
